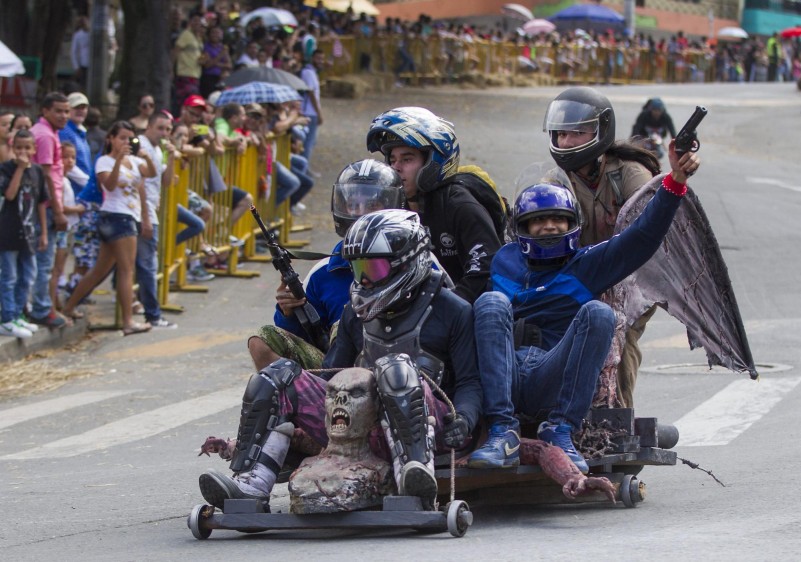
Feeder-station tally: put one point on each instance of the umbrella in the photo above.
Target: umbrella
(258, 92)
(517, 11)
(265, 74)
(732, 34)
(588, 16)
(791, 32)
(358, 6)
(537, 26)
(270, 17)
(10, 64)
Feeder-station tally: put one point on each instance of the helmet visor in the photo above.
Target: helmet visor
(373, 270)
(352, 200)
(566, 115)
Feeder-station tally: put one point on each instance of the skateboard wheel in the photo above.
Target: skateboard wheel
(459, 518)
(195, 521)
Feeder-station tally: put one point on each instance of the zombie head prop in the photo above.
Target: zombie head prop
(351, 405)
(346, 476)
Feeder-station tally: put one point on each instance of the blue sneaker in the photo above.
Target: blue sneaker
(559, 435)
(502, 449)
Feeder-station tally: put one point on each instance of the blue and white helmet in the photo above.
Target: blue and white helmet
(418, 128)
(548, 200)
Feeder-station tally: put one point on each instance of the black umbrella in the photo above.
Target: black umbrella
(265, 74)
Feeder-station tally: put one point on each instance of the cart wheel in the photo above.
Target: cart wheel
(459, 518)
(194, 521)
(632, 491)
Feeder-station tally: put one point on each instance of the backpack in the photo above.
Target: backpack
(483, 189)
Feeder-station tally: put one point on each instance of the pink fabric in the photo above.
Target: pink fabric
(48, 153)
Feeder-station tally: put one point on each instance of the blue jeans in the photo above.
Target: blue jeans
(311, 137)
(299, 167)
(40, 300)
(147, 267)
(194, 225)
(17, 272)
(288, 183)
(557, 384)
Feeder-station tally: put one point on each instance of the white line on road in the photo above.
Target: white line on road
(135, 427)
(20, 414)
(731, 411)
(777, 183)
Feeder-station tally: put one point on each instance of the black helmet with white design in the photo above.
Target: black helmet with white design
(363, 187)
(585, 110)
(389, 253)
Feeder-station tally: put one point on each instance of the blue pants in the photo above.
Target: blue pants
(17, 272)
(288, 183)
(40, 301)
(299, 167)
(311, 137)
(557, 384)
(194, 225)
(147, 267)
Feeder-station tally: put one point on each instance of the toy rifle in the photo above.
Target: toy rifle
(306, 315)
(687, 139)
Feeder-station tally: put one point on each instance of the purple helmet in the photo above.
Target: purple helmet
(548, 200)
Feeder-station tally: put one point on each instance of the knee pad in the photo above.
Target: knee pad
(261, 411)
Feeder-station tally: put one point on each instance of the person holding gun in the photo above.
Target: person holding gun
(550, 282)
(361, 187)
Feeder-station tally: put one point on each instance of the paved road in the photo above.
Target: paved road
(105, 467)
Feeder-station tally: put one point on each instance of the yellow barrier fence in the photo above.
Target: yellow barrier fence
(438, 58)
(248, 171)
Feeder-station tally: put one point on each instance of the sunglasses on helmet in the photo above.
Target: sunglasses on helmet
(372, 270)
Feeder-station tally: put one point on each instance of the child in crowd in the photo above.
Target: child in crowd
(73, 212)
(22, 203)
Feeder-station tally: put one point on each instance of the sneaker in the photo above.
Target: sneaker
(501, 450)
(163, 324)
(235, 242)
(296, 210)
(560, 435)
(23, 322)
(416, 479)
(199, 274)
(52, 320)
(217, 487)
(11, 329)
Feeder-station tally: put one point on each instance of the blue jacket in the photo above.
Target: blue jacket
(327, 290)
(83, 154)
(551, 297)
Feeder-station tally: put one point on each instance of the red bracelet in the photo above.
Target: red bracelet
(674, 187)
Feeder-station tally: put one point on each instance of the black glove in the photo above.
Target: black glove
(455, 430)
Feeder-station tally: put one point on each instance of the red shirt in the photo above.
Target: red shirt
(48, 153)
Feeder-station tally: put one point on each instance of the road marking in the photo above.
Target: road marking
(135, 427)
(731, 411)
(179, 346)
(777, 183)
(20, 414)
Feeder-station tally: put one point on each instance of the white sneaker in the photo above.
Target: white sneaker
(163, 324)
(31, 327)
(11, 329)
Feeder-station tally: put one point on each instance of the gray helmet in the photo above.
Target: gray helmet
(580, 109)
(363, 187)
(389, 253)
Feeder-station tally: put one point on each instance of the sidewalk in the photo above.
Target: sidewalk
(14, 349)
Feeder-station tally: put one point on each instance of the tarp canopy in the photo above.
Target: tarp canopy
(10, 64)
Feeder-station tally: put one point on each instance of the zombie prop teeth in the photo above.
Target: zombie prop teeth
(340, 420)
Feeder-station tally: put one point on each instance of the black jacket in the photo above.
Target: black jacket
(447, 334)
(463, 236)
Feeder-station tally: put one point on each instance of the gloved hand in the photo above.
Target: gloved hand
(455, 430)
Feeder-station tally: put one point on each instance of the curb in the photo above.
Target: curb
(14, 349)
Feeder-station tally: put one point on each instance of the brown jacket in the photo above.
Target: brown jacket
(601, 206)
